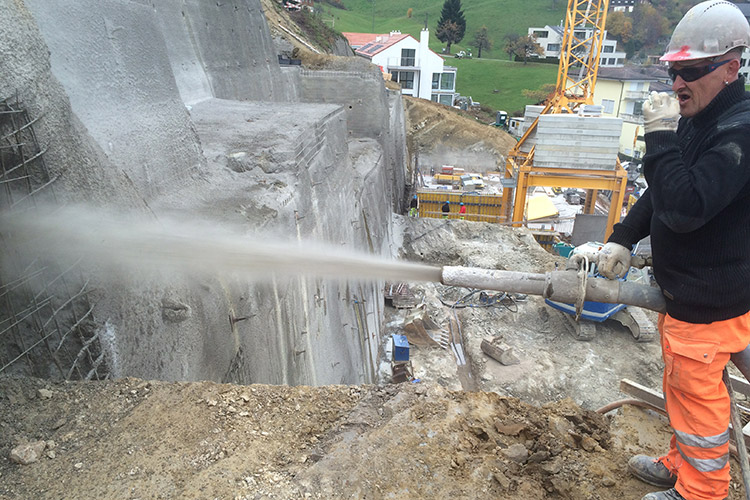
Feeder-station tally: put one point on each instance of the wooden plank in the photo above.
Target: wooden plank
(655, 398)
(642, 392)
(740, 385)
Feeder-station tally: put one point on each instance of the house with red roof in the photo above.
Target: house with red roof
(420, 71)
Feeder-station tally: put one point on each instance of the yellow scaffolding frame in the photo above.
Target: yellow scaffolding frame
(576, 78)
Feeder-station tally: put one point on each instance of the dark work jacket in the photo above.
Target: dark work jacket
(697, 210)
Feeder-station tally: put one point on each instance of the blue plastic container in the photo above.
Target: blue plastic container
(400, 348)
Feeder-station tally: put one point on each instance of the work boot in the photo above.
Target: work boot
(647, 469)
(670, 494)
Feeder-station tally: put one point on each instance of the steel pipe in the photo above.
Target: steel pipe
(560, 286)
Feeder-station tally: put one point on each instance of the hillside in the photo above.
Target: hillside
(515, 16)
(434, 130)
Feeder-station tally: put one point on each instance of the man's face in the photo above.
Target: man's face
(694, 96)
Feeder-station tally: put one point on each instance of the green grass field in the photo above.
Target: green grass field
(500, 17)
(478, 78)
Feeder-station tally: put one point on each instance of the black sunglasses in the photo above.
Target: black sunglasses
(692, 73)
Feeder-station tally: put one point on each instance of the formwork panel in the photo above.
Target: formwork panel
(479, 207)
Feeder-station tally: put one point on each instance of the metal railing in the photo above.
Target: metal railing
(403, 62)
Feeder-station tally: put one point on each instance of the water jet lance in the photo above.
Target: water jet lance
(568, 286)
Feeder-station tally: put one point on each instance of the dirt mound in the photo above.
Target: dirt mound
(437, 131)
(136, 439)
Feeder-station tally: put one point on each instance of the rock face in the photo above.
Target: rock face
(173, 106)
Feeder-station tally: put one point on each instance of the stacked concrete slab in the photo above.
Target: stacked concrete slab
(530, 113)
(176, 105)
(572, 141)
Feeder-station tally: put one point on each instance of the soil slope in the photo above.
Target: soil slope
(138, 439)
(437, 130)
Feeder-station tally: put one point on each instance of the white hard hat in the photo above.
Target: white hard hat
(709, 29)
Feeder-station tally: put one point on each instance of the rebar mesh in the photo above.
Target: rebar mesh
(47, 328)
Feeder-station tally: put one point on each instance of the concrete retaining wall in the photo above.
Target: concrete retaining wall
(82, 169)
(371, 111)
(362, 94)
(124, 123)
(226, 45)
(112, 61)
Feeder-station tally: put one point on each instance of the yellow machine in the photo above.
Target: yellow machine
(576, 79)
(447, 178)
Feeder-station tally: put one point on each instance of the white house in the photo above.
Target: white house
(621, 5)
(420, 71)
(550, 39)
(745, 61)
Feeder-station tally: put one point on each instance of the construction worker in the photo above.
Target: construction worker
(446, 209)
(414, 206)
(697, 212)
(462, 211)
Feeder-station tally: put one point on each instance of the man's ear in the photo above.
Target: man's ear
(733, 68)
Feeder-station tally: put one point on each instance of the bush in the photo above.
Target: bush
(315, 30)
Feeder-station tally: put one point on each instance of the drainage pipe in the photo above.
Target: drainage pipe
(560, 286)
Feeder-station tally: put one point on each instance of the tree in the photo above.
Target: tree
(620, 26)
(482, 40)
(510, 44)
(525, 47)
(453, 14)
(449, 32)
(650, 25)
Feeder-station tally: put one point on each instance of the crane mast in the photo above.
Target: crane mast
(576, 79)
(579, 55)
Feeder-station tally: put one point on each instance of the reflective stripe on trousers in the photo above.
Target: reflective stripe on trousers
(698, 403)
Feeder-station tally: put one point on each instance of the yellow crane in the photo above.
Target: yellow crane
(579, 65)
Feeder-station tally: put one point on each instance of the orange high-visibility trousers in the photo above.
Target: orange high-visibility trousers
(697, 401)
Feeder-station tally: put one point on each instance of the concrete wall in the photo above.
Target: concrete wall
(112, 61)
(224, 44)
(371, 111)
(362, 94)
(82, 169)
(175, 105)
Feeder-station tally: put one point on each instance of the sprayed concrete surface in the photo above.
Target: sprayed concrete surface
(176, 107)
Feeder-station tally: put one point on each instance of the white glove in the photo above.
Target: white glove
(661, 112)
(613, 261)
(582, 254)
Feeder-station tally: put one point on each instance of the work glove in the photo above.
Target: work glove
(661, 112)
(582, 255)
(613, 261)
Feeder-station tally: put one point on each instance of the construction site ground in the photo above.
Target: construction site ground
(476, 430)
(527, 430)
